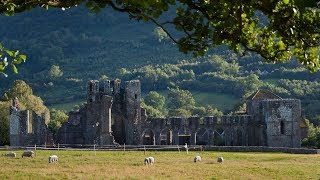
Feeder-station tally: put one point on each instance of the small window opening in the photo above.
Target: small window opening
(282, 127)
(135, 96)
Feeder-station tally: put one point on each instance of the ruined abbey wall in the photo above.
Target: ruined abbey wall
(27, 128)
(113, 115)
(282, 122)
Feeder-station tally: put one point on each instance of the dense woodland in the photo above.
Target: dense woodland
(67, 48)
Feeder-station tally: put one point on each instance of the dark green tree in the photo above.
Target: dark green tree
(5, 123)
(57, 117)
(9, 58)
(155, 100)
(277, 30)
(179, 98)
(180, 102)
(313, 139)
(26, 99)
(152, 112)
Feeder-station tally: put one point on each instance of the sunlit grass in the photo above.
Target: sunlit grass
(223, 102)
(172, 165)
(66, 106)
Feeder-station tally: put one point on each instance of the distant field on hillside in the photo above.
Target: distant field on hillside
(221, 101)
(66, 106)
(168, 165)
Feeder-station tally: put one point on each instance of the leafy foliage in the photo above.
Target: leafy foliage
(291, 28)
(57, 117)
(26, 99)
(313, 139)
(10, 58)
(24, 93)
(160, 34)
(55, 71)
(5, 123)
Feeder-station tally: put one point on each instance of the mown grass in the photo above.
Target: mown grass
(169, 165)
(67, 106)
(223, 102)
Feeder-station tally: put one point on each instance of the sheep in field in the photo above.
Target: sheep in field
(149, 161)
(53, 158)
(11, 154)
(28, 154)
(197, 159)
(220, 159)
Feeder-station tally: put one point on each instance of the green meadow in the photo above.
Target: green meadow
(168, 165)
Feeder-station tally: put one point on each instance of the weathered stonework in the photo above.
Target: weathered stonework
(112, 115)
(27, 128)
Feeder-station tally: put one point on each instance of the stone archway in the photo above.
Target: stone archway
(184, 135)
(239, 138)
(202, 137)
(148, 137)
(219, 137)
(166, 137)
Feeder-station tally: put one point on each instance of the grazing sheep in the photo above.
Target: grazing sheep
(220, 159)
(28, 154)
(197, 158)
(11, 154)
(53, 158)
(149, 161)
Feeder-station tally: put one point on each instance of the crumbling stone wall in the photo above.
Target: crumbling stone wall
(233, 130)
(27, 128)
(113, 115)
(132, 112)
(282, 122)
(270, 121)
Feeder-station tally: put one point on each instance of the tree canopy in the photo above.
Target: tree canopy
(27, 100)
(277, 30)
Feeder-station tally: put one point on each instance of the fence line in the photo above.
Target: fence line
(145, 148)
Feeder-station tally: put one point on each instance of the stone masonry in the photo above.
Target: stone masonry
(112, 115)
(27, 128)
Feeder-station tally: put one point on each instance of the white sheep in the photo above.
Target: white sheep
(197, 159)
(28, 154)
(220, 159)
(11, 154)
(53, 158)
(149, 161)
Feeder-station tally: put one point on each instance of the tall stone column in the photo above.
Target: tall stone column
(193, 138)
(157, 138)
(175, 138)
(106, 137)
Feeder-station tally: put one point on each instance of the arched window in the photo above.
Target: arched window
(282, 130)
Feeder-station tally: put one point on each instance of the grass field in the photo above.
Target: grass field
(169, 165)
(66, 106)
(223, 102)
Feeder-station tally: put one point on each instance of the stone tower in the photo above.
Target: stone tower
(112, 115)
(132, 121)
(282, 118)
(279, 119)
(98, 113)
